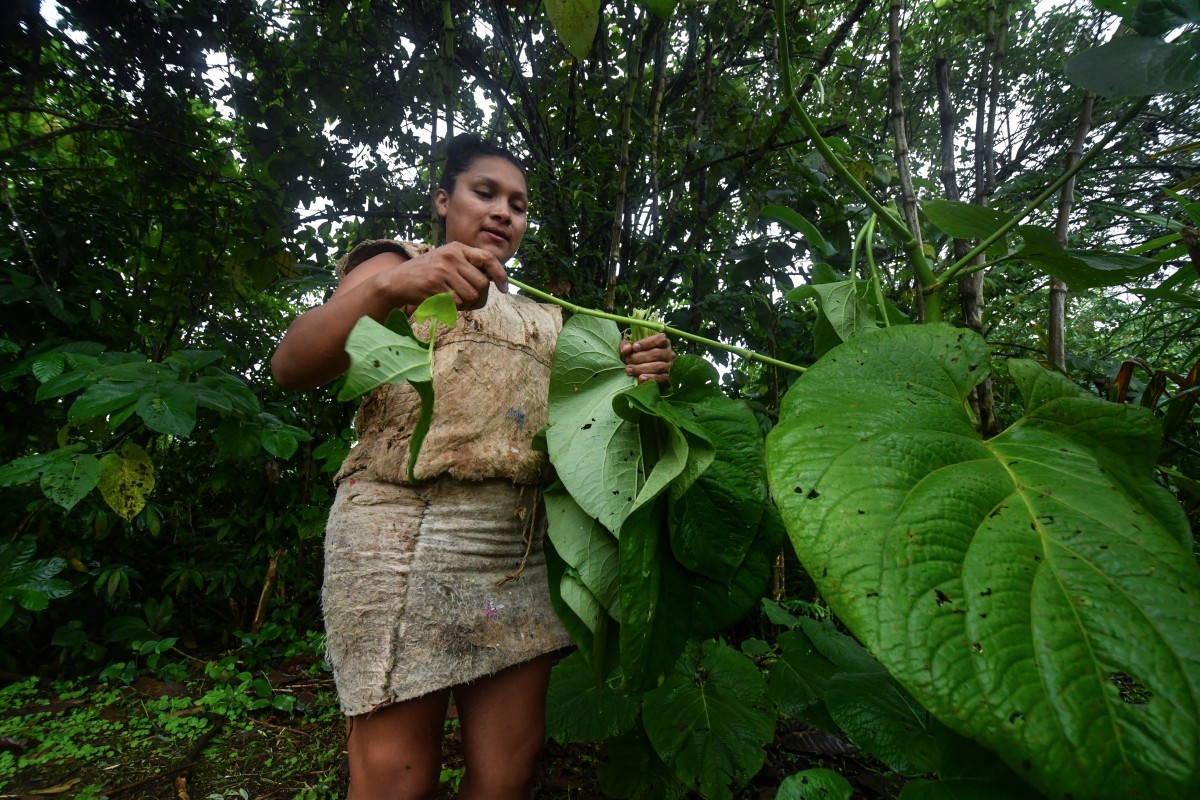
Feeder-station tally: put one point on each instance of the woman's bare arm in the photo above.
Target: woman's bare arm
(312, 352)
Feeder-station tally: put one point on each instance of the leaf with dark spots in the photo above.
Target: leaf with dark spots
(1073, 475)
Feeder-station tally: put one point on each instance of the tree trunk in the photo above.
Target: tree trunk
(634, 73)
(656, 103)
(908, 195)
(970, 287)
(994, 97)
(1056, 324)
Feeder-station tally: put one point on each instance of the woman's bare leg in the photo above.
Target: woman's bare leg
(503, 728)
(396, 752)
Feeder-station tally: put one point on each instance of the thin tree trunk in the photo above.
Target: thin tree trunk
(896, 95)
(264, 597)
(697, 223)
(970, 287)
(982, 88)
(656, 102)
(618, 224)
(1056, 325)
(994, 97)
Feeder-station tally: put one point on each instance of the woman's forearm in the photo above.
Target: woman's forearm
(312, 352)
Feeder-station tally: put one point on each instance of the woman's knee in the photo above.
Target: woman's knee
(504, 769)
(378, 772)
(395, 753)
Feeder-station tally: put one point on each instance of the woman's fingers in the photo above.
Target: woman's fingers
(656, 347)
(488, 264)
(466, 271)
(473, 271)
(649, 358)
(653, 371)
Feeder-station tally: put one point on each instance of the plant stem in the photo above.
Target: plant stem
(875, 279)
(912, 246)
(655, 325)
(958, 266)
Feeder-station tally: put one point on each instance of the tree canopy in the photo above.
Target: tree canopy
(177, 180)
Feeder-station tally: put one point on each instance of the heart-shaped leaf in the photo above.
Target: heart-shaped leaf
(1035, 591)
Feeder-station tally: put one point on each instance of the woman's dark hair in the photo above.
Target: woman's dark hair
(461, 152)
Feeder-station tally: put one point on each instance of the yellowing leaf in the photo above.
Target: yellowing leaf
(126, 479)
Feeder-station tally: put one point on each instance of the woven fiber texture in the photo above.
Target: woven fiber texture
(431, 586)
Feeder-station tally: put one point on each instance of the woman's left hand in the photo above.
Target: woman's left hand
(649, 359)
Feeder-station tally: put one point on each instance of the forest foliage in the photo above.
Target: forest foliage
(178, 179)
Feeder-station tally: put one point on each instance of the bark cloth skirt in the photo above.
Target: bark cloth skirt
(431, 585)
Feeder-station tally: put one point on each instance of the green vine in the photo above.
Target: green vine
(655, 325)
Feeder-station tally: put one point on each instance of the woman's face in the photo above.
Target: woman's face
(487, 208)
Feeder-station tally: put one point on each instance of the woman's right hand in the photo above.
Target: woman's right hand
(465, 271)
(312, 352)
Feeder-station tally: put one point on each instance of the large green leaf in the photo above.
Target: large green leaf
(586, 375)
(965, 220)
(714, 520)
(590, 640)
(585, 545)
(67, 382)
(392, 353)
(654, 597)
(717, 502)
(1035, 591)
(168, 408)
(798, 677)
(844, 305)
(29, 468)
(578, 709)
(1156, 17)
(710, 719)
(815, 784)
(106, 397)
(633, 770)
(720, 603)
(968, 772)
(378, 355)
(820, 249)
(880, 718)
(1080, 269)
(67, 481)
(1132, 66)
(663, 8)
(229, 389)
(189, 361)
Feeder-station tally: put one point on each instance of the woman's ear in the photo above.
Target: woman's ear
(441, 202)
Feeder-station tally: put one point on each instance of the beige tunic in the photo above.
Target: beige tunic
(437, 583)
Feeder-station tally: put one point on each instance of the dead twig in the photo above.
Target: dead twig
(179, 770)
(266, 724)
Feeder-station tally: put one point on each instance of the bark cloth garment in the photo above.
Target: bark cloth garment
(437, 583)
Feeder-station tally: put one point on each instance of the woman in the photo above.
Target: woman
(440, 586)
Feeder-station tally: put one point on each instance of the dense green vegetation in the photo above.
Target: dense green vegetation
(177, 180)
